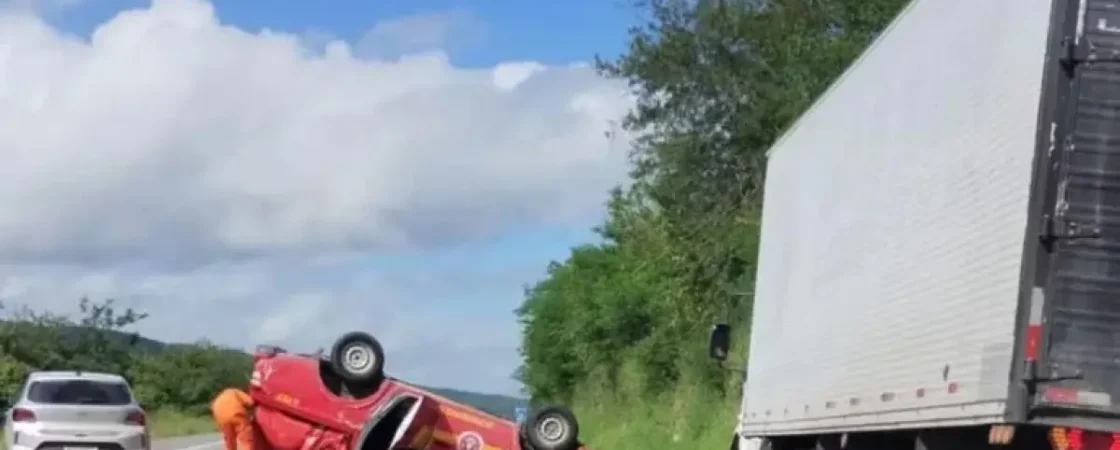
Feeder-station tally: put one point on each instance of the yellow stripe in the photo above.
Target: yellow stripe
(422, 438)
(444, 437)
(467, 417)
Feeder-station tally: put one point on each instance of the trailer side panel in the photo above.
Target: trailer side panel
(893, 228)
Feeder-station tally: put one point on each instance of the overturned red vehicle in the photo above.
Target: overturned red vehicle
(344, 401)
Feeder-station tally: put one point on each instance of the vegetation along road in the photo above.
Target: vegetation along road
(619, 329)
(174, 382)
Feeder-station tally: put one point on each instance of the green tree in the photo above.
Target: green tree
(187, 376)
(716, 82)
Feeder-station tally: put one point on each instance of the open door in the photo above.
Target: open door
(415, 430)
(404, 423)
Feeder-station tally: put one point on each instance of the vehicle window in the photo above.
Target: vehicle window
(21, 391)
(79, 392)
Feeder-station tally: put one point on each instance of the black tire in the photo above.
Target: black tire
(358, 358)
(552, 428)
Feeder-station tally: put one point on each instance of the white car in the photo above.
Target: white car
(76, 411)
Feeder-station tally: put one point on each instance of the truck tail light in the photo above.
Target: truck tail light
(136, 418)
(1078, 439)
(23, 415)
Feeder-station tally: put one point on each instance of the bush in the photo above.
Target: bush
(172, 381)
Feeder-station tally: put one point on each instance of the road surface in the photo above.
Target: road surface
(199, 442)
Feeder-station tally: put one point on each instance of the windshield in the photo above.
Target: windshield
(79, 392)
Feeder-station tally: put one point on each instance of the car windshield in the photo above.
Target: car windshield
(79, 392)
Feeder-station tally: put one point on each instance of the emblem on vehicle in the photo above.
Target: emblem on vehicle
(469, 440)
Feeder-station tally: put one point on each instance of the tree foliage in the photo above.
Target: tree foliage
(716, 83)
(178, 377)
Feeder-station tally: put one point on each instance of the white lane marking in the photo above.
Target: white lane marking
(202, 446)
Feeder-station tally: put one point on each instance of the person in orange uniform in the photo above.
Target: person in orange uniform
(231, 410)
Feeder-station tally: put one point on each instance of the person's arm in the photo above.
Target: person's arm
(244, 398)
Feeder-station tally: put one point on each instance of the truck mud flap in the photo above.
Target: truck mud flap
(1079, 366)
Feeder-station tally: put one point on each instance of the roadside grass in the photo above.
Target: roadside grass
(171, 423)
(686, 418)
(674, 422)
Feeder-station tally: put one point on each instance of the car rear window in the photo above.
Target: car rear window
(79, 392)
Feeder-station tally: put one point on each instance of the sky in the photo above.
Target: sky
(253, 172)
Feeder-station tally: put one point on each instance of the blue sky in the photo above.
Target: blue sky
(411, 184)
(549, 32)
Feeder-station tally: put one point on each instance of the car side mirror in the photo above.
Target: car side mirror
(719, 342)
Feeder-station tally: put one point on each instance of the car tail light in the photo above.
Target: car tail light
(136, 418)
(22, 415)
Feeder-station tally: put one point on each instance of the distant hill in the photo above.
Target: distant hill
(498, 405)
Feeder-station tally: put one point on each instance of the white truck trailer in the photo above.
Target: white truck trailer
(940, 256)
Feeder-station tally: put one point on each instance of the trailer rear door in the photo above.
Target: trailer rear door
(1080, 366)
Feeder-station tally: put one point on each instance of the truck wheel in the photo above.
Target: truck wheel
(358, 358)
(552, 428)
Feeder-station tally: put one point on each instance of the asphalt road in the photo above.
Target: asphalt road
(199, 442)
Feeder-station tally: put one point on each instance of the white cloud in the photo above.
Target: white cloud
(171, 137)
(510, 75)
(226, 181)
(451, 29)
(292, 318)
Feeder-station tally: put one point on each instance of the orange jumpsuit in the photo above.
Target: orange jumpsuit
(231, 411)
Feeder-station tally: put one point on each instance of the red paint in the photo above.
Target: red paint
(954, 387)
(1034, 341)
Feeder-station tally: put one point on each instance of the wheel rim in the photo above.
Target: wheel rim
(552, 429)
(358, 358)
